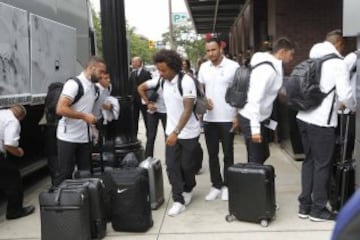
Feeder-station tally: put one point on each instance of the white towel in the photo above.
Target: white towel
(112, 114)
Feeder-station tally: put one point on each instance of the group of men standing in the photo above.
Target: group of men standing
(215, 75)
(174, 108)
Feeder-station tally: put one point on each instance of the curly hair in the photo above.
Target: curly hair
(170, 57)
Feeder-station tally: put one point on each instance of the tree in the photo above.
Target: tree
(98, 35)
(138, 45)
(187, 42)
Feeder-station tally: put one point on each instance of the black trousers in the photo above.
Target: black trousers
(11, 185)
(153, 122)
(180, 167)
(216, 132)
(139, 107)
(69, 155)
(318, 145)
(257, 152)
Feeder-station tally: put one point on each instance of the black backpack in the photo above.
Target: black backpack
(236, 93)
(303, 86)
(53, 95)
(152, 93)
(200, 105)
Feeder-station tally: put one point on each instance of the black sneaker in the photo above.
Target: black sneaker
(322, 215)
(24, 212)
(304, 212)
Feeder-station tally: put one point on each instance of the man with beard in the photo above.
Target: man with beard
(73, 131)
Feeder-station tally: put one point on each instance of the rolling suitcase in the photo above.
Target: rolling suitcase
(251, 193)
(65, 213)
(131, 208)
(156, 183)
(99, 170)
(342, 181)
(103, 174)
(97, 206)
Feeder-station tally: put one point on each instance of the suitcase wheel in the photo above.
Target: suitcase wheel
(264, 222)
(230, 218)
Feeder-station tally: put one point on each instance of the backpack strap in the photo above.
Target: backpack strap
(80, 92)
(261, 63)
(160, 82)
(328, 57)
(332, 105)
(198, 92)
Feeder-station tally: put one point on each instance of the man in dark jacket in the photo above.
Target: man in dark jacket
(137, 77)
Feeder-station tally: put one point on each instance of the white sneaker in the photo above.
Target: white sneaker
(213, 194)
(176, 209)
(224, 194)
(187, 197)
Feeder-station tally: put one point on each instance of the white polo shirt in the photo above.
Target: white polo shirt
(160, 104)
(9, 129)
(103, 94)
(175, 107)
(76, 130)
(216, 80)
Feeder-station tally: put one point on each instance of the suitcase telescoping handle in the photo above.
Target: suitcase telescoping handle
(100, 142)
(344, 134)
(68, 187)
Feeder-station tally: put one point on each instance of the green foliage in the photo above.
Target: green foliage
(187, 42)
(98, 35)
(139, 46)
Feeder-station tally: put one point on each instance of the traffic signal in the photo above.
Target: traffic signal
(151, 44)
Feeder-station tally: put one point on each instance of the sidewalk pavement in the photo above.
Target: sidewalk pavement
(202, 220)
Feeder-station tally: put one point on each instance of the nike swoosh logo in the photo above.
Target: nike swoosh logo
(121, 190)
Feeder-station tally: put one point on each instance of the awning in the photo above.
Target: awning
(213, 16)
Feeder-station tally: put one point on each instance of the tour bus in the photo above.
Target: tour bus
(41, 41)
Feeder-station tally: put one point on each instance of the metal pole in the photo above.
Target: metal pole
(171, 28)
(122, 131)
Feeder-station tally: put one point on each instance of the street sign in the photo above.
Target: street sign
(180, 17)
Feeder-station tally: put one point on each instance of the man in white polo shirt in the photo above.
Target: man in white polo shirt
(182, 128)
(73, 131)
(10, 179)
(220, 119)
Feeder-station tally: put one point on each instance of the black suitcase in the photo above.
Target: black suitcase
(131, 208)
(342, 180)
(99, 170)
(251, 193)
(97, 206)
(65, 214)
(156, 182)
(103, 174)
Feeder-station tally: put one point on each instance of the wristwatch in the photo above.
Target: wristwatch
(176, 131)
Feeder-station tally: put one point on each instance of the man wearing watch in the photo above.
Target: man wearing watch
(182, 128)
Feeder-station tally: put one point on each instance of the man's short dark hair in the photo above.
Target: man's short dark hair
(93, 60)
(334, 36)
(170, 57)
(214, 39)
(283, 43)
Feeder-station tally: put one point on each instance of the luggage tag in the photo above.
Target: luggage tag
(271, 124)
